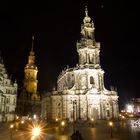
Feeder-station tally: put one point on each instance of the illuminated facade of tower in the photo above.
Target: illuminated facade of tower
(28, 102)
(81, 93)
(30, 70)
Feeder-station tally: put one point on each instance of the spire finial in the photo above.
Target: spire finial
(32, 43)
(86, 18)
(86, 11)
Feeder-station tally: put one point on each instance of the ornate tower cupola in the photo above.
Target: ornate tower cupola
(30, 70)
(87, 29)
(87, 48)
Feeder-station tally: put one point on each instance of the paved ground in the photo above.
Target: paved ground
(101, 131)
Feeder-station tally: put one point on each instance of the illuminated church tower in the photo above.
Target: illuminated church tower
(81, 93)
(87, 48)
(30, 70)
(28, 102)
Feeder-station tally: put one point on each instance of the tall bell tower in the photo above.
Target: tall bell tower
(88, 49)
(30, 70)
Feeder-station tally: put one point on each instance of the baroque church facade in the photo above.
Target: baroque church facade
(8, 95)
(28, 102)
(80, 92)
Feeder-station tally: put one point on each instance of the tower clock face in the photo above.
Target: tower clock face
(71, 80)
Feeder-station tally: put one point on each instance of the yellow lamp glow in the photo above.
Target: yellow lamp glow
(11, 126)
(22, 122)
(92, 119)
(110, 123)
(36, 131)
(29, 118)
(62, 123)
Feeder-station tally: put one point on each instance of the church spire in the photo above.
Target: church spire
(32, 44)
(87, 48)
(86, 11)
(31, 59)
(87, 19)
(30, 81)
(87, 28)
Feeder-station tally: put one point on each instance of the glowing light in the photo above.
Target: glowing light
(131, 115)
(122, 111)
(11, 126)
(29, 118)
(110, 123)
(36, 131)
(129, 108)
(56, 119)
(62, 123)
(34, 116)
(22, 122)
(92, 119)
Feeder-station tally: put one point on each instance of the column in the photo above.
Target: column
(79, 108)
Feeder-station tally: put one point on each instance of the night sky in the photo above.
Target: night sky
(56, 27)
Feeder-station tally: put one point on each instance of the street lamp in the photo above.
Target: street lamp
(11, 130)
(34, 116)
(36, 130)
(29, 118)
(92, 122)
(17, 117)
(36, 133)
(62, 126)
(56, 119)
(22, 122)
(111, 125)
(62, 123)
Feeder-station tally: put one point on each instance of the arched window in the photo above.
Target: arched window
(92, 80)
(14, 101)
(107, 113)
(7, 100)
